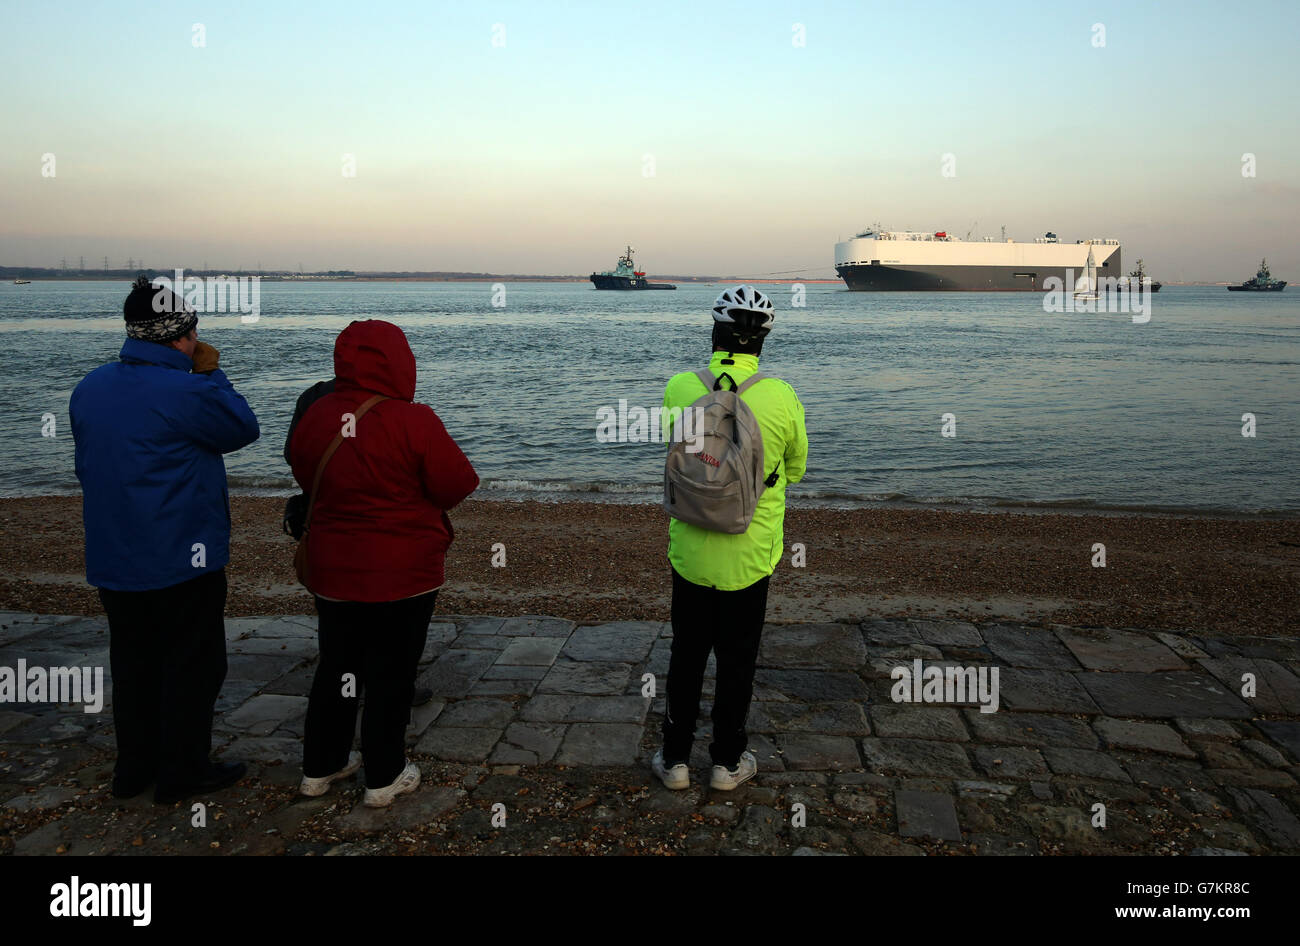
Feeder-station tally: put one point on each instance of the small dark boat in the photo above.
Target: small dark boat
(1134, 279)
(626, 276)
(1263, 282)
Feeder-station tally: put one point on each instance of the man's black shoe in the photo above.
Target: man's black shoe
(124, 789)
(422, 695)
(218, 776)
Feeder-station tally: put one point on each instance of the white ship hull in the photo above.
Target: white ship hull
(906, 261)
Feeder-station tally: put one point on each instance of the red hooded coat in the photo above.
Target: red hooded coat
(379, 529)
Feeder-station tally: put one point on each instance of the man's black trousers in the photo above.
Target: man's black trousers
(167, 653)
(730, 623)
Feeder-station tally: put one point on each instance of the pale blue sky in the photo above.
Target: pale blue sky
(529, 157)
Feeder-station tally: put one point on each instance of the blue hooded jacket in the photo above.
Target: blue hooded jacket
(149, 437)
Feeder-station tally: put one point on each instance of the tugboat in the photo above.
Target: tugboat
(626, 276)
(1136, 278)
(1263, 282)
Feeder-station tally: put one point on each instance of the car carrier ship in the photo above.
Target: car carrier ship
(892, 260)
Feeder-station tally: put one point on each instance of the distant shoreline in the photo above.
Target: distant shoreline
(388, 277)
(9, 274)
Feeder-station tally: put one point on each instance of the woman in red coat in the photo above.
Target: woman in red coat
(378, 537)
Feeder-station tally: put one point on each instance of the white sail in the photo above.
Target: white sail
(1086, 288)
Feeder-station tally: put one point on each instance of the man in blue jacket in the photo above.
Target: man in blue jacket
(150, 430)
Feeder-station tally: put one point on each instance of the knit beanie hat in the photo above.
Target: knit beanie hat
(156, 314)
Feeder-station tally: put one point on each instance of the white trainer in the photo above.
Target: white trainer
(675, 777)
(405, 782)
(724, 779)
(321, 785)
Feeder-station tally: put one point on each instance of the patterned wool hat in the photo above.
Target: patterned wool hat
(156, 314)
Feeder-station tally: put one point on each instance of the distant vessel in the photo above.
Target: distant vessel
(1263, 282)
(1136, 277)
(1086, 288)
(626, 276)
(21, 282)
(891, 260)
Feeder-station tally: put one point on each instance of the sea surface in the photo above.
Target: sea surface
(1086, 410)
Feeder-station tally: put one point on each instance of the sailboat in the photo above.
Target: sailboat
(1086, 287)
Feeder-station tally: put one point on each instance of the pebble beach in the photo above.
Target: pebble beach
(591, 562)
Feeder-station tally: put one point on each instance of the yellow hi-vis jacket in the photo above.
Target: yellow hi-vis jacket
(732, 562)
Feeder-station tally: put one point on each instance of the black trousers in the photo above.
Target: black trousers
(730, 623)
(379, 644)
(167, 652)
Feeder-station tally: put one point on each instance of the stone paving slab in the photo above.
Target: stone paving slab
(843, 718)
(818, 753)
(1049, 691)
(1110, 650)
(926, 814)
(918, 722)
(1022, 646)
(949, 634)
(585, 678)
(600, 744)
(621, 642)
(1031, 729)
(1163, 695)
(917, 757)
(1123, 713)
(1277, 690)
(809, 685)
(1084, 763)
(814, 646)
(1286, 733)
(1126, 734)
(568, 708)
(530, 652)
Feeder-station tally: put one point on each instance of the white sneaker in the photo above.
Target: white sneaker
(724, 779)
(319, 786)
(405, 782)
(676, 778)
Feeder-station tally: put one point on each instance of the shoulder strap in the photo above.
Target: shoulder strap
(705, 375)
(329, 452)
(752, 379)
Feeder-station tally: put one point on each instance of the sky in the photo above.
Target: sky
(716, 138)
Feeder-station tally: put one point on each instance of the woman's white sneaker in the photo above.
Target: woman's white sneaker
(724, 779)
(321, 785)
(675, 777)
(405, 782)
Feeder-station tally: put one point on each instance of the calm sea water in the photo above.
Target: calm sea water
(1051, 409)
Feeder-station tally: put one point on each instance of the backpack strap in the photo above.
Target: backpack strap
(712, 383)
(329, 452)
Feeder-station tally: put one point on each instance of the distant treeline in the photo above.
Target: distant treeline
(41, 272)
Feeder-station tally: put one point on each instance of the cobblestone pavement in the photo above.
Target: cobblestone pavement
(546, 725)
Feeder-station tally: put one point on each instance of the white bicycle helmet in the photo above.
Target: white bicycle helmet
(746, 308)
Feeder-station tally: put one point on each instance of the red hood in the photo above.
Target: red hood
(375, 356)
